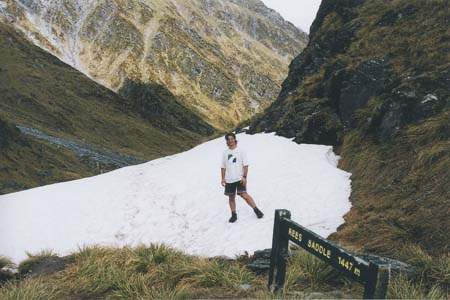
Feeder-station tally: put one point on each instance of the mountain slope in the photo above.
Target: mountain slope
(374, 80)
(224, 59)
(39, 91)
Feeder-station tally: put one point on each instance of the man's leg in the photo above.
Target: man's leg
(248, 199)
(232, 201)
(252, 204)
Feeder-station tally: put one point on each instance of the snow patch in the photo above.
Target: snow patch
(332, 158)
(178, 200)
(428, 98)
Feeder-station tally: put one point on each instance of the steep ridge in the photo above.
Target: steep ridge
(374, 81)
(39, 91)
(224, 59)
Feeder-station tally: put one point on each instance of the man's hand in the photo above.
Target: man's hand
(223, 182)
(244, 181)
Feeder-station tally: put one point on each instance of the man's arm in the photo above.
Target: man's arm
(222, 171)
(244, 177)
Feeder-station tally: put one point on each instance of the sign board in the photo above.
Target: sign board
(370, 275)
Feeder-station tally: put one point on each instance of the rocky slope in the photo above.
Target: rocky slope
(374, 80)
(39, 91)
(224, 59)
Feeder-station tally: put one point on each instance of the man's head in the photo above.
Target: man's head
(231, 140)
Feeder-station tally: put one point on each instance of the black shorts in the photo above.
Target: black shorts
(230, 188)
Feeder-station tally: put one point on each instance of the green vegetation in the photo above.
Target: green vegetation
(413, 34)
(402, 288)
(308, 274)
(160, 272)
(29, 289)
(430, 280)
(429, 271)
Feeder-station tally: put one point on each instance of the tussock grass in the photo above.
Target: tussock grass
(413, 48)
(430, 272)
(206, 273)
(306, 270)
(160, 272)
(400, 189)
(152, 272)
(402, 288)
(29, 289)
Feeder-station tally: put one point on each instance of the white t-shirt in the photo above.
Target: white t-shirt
(233, 161)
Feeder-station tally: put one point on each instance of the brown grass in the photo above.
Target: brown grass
(397, 196)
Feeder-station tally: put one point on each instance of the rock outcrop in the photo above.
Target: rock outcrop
(358, 58)
(374, 81)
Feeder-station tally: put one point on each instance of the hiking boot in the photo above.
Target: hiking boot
(258, 213)
(233, 217)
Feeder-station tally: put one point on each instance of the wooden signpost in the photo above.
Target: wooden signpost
(374, 277)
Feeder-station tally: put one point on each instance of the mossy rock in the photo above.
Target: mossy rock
(42, 265)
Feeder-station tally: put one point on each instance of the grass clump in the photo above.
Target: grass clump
(207, 273)
(402, 288)
(29, 289)
(431, 273)
(152, 272)
(307, 272)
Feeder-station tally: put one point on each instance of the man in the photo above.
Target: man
(234, 172)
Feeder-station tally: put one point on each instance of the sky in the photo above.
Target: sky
(178, 200)
(299, 12)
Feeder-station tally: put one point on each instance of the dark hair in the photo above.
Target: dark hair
(230, 134)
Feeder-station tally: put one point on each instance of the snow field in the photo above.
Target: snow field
(178, 200)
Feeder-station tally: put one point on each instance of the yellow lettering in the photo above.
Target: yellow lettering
(319, 249)
(345, 263)
(295, 234)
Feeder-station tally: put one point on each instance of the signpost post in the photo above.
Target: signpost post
(374, 277)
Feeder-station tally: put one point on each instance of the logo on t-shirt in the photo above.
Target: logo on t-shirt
(230, 156)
